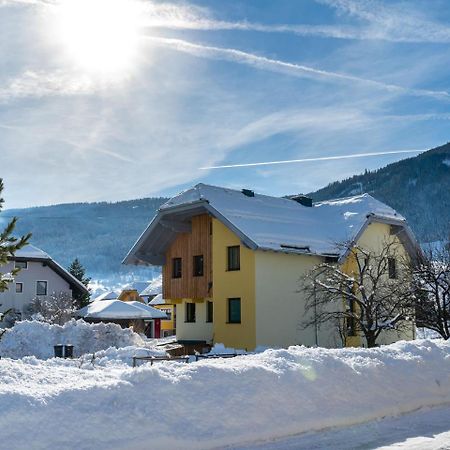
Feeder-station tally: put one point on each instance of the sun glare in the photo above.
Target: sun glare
(99, 36)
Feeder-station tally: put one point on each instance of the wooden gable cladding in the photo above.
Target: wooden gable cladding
(186, 246)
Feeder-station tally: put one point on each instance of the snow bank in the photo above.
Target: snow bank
(32, 338)
(213, 403)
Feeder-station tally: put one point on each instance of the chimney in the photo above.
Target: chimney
(248, 192)
(302, 199)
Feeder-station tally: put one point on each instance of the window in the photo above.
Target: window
(190, 312)
(209, 312)
(392, 268)
(19, 288)
(176, 268)
(198, 266)
(41, 288)
(234, 310)
(168, 312)
(21, 264)
(234, 257)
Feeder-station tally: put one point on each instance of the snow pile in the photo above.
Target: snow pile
(33, 338)
(217, 402)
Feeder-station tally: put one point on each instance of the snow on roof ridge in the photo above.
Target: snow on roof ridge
(31, 251)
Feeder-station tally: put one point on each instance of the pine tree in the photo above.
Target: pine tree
(8, 246)
(79, 272)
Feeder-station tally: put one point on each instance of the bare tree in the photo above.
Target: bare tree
(369, 293)
(55, 308)
(431, 283)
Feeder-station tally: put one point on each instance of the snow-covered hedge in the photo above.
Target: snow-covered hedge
(33, 338)
(213, 403)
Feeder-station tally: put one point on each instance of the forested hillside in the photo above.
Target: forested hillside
(419, 188)
(99, 234)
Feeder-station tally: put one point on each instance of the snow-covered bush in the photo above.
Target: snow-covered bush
(33, 338)
(55, 308)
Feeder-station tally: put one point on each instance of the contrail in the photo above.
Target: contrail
(274, 65)
(323, 158)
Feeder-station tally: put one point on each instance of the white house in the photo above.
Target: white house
(40, 275)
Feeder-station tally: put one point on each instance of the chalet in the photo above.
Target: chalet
(40, 275)
(232, 261)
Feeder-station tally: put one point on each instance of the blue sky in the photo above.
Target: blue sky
(120, 99)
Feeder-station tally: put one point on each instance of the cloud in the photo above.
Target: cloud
(264, 63)
(41, 84)
(380, 21)
(387, 21)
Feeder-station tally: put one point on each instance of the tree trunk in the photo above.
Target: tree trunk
(371, 340)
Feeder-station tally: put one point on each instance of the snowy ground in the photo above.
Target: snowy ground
(426, 429)
(216, 403)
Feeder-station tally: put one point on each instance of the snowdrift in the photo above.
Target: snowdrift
(32, 338)
(213, 403)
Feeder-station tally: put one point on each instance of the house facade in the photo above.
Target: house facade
(233, 260)
(39, 275)
(168, 325)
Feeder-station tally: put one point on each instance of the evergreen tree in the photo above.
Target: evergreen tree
(8, 246)
(79, 272)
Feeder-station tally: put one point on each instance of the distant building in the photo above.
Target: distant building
(40, 275)
(168, 325)
(232, 261)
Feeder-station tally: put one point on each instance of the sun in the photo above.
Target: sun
(99, 36)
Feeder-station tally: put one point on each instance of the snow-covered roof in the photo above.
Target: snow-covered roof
(109, 295)
(138, 286)
(264, 222)
(153, 288)
(158, 300)
(156, 313)
(32, 253)
(117, 309)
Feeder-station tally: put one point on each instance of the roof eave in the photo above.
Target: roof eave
(411, 244)
(134, 257)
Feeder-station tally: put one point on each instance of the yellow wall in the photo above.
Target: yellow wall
(130, 295)
(200, 330)
(233, 284)
(167, 325)
(375, 236)
(280, 304)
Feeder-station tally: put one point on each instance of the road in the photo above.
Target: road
(427, 429)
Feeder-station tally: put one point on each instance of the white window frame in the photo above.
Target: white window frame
(46, 287)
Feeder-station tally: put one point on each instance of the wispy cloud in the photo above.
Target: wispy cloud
(262, 62)
(379, 21)
(41, 84)
(303, 160)
(387, 21)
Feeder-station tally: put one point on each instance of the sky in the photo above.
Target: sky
(121, 99)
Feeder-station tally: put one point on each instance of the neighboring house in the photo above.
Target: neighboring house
(168, 326)
(232, 261)
(40, 275)
(152, 290)
(130, 313)
(108, 295)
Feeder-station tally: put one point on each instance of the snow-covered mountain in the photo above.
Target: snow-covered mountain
(418, 188)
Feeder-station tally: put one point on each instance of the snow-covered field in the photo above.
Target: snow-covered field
(213, 403)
